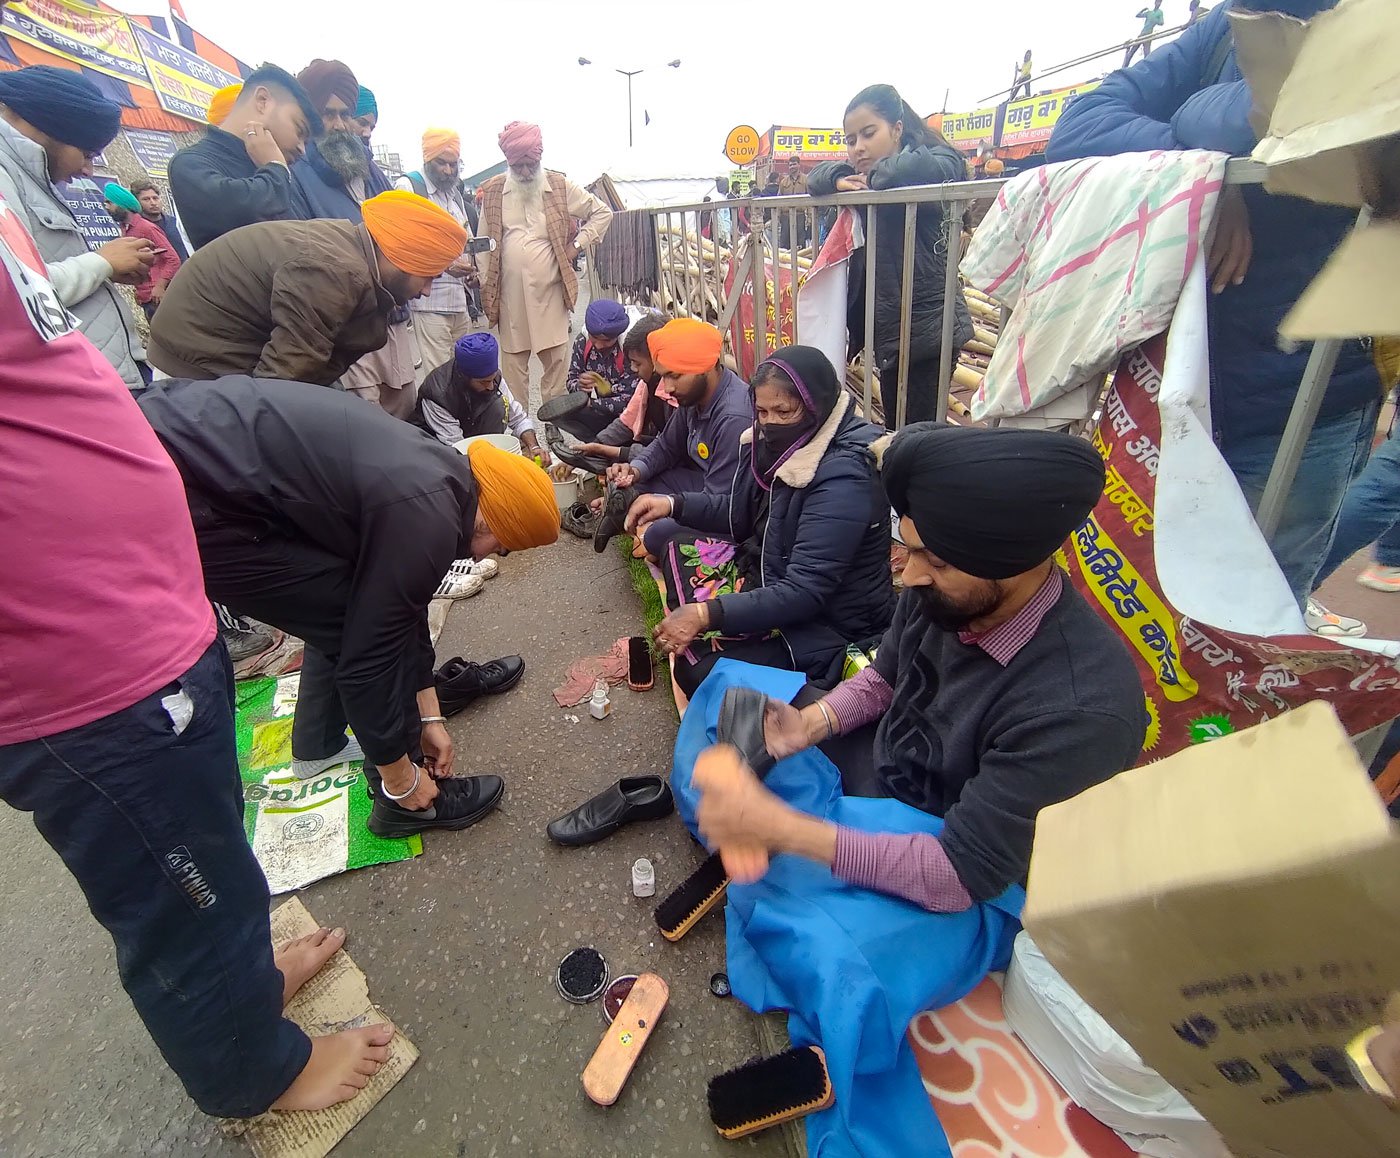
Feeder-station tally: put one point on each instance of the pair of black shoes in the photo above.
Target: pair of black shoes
(461, 802)
(461, 683)
(558, 411)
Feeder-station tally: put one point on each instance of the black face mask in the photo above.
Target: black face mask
(773, 440)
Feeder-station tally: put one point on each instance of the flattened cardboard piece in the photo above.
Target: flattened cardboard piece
(1233, 912)
(1357, 293)
(1320, 89)
(336, 998)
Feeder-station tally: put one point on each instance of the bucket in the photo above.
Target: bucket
(566, 494)
(506, 442)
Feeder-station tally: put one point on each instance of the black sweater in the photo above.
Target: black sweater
(987, 747)
(319, 466)
(217, 188)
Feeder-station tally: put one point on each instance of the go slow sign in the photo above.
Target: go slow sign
(741, 146)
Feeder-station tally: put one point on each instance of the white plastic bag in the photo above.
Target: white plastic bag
(1098, 1069)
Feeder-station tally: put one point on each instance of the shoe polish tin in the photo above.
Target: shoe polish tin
(582, 976)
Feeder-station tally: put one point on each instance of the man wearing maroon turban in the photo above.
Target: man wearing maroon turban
(529, 286)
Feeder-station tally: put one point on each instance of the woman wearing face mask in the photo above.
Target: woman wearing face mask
(791, 566)
(890, 147)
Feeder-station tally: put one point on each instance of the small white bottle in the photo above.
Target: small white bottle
(598, 704)
(643, 878)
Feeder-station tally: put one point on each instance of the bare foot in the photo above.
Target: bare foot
(340, 1066)
(301, 957)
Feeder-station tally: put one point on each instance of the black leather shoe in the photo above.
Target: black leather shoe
(741, 723)
(562, 407)
(632, 798)
(613, 518)
(461, 802)
(460, 682)
(569, 457)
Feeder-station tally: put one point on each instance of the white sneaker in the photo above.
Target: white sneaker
(309, 769)
(1329, 625)
(1380, 578)
(481, 568)
(454, 586)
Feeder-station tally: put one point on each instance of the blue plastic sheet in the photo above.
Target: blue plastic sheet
(852, 967)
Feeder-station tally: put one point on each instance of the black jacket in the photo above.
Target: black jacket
(397, 507)
(924, 165)
(217, 188)
(824, 572)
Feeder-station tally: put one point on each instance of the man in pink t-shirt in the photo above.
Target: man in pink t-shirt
(116, 720)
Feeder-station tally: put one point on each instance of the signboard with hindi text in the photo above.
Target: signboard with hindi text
(101, 41)
(153, 149)
(824, 144)
(1031, 121)
(184, 82)
(968, 130)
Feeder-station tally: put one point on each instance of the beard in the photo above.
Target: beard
(955, 615)
(344, 152)
(531, 191)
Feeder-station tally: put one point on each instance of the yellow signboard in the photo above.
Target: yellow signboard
(970, 129)
(741, 146)
(184, 83)
(1031, 121)
(828, 143)
(101, 41)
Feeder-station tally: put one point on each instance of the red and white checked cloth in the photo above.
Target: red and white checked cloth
(1091, 255)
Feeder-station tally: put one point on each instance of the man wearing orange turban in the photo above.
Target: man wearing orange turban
(301, 300)
(698, 449)
(450, 309)
(529, 286)
(335, 522)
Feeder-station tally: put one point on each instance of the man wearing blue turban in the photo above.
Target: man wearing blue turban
(600, 380)
(466, 397)
(53, 122)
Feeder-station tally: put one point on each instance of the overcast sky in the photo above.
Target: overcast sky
(475, 67)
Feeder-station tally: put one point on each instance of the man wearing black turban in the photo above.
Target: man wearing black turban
(996, 691)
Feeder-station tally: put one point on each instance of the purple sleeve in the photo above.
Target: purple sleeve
(862, 698)
(912, 866)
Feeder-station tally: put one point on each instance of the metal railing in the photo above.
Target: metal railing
(745, 260)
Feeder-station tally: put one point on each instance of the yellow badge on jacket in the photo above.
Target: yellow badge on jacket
(702, 450)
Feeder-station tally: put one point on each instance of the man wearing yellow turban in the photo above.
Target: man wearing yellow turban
(301, 300)
(449, 310)
(334, 522)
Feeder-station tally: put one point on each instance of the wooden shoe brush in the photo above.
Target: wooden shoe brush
(769, 1091)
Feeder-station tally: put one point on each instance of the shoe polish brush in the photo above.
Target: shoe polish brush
(695, 896)
(769, 1091)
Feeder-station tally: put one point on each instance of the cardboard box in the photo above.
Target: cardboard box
(1233, 912)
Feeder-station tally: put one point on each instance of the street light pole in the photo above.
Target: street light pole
(629, 76)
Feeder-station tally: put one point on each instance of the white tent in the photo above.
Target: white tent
(648, 176)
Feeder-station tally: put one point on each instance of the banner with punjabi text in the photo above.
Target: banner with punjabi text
(184, 83)
(1199, 681)
(1032, 120)
(102, 41)
(823, 144)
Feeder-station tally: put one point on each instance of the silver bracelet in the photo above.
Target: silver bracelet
(826, 715)
(432, 719)
(417, 775)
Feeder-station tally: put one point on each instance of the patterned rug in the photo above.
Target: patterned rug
(993, 1098)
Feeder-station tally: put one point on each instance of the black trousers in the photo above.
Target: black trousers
(587, 423)
(922, 392)
(303, 590)
(145, 807)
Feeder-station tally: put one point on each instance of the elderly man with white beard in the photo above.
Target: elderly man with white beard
(529, 287)
(335, 175)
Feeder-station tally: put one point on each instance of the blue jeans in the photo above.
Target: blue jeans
(145, 807)
(1334, 456)
(1370, 511)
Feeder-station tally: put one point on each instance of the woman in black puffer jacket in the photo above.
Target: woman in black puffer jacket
(890, 147)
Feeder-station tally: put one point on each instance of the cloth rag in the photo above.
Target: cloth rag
(584, 673)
